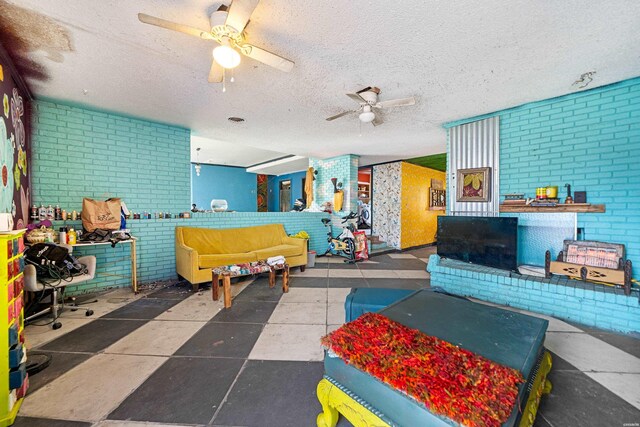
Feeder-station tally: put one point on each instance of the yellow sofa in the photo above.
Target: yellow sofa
(198, 250)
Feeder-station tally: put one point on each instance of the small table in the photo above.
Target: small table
(238, 270)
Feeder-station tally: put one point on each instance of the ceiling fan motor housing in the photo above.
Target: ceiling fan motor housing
(370, 96)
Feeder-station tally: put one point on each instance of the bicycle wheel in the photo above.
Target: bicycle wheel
(351, 247)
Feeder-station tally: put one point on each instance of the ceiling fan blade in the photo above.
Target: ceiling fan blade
(344, 113)
(364, 90)
(267, 57)
(158, 22)
(239, 13)
(356, 97)
(396, 103)
(377, 121)
(216, 73)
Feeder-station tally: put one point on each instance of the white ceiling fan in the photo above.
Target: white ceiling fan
(368, 100)
(227, 29)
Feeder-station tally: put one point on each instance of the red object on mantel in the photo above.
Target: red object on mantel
(448, 380)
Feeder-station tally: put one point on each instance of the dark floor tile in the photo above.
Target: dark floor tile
(343, 266)
(540, 421)
(280, 394)
(559, 364)
(347, 282)
(181, 391)
(423, 252)
(577, 400)
(398, 283)
(60, 364)
(308, 282)
(260, 291)
(246, 312)
(94, 336)
(179, 291)
(144, 308)
(394, 264)
(47, 422)
(625, 342)
(222, 340)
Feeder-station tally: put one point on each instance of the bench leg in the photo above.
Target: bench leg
(285, 279)
(272, 278)
(329, 415)
(226, 283)
(215, 287)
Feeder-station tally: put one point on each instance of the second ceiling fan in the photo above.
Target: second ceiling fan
(227, 29)
(369, 105)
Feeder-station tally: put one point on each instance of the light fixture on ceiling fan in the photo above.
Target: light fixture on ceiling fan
(227, 29)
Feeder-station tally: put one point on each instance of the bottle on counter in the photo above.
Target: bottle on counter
(34, 212)
(64, 215)
(74, 216)
(57, 213)
(72, 237)
(63, 235)
(42, 213)
(50, 213)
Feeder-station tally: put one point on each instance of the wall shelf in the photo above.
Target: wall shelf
(576, 207)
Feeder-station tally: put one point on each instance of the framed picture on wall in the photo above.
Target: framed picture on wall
(474, 185)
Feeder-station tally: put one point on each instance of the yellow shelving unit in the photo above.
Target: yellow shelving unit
(13, 377)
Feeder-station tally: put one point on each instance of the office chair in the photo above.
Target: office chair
(56, 288)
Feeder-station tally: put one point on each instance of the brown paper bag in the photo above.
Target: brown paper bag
(97, 214)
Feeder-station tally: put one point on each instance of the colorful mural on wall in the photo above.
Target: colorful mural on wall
(15, 151)
(262, 192)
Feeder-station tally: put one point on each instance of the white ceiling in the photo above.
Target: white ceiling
(459, 59)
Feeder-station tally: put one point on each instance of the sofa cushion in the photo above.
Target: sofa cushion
(284, 250)
(218, 260)
(233, 240)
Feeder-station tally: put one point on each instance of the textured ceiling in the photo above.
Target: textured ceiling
(458, 59)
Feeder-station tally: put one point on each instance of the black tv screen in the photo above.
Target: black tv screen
(489, 241)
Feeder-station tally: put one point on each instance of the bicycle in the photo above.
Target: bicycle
(344, 245)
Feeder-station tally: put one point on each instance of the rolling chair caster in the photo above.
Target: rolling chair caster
(89, 313)
(57, 325)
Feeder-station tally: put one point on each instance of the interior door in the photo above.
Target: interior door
(285, 196)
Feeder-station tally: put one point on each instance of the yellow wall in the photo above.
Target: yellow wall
(418, 223)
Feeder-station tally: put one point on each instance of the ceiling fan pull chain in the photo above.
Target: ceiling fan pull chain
(224, 80)
(233, 79)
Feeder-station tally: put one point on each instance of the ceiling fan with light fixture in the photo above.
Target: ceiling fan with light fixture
(368, 100)
(227, 29)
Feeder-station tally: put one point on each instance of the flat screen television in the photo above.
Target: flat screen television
(488, 241)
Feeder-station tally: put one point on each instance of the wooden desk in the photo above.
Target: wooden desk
(134, 262)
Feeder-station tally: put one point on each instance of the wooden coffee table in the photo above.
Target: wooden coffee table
(227, 272)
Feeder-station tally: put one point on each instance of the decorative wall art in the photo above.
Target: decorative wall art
(15, 142)
(437, 199)
(263, 191)
(474, 185)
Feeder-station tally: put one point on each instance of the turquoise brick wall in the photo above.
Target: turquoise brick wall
(345, 169)
(589, 139)
(79, 153)
(593, 305)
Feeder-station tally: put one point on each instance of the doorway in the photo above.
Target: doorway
(285, 196)
(364, 200)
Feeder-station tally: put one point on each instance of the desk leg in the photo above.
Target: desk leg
(215, 287)
(285, 279)
(226, 282)
(134, 267)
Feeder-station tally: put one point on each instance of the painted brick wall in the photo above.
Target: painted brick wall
(600, 306)
(156, 244)
(79, 153)
(590, 140)
(345, 169)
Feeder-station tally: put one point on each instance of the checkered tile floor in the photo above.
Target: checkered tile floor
(173, 357)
